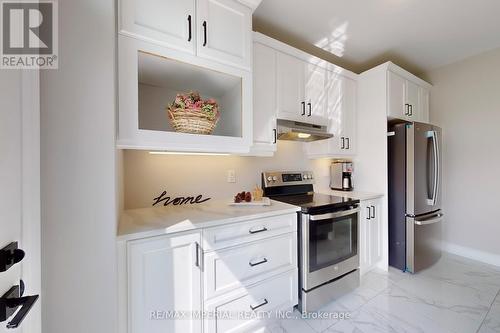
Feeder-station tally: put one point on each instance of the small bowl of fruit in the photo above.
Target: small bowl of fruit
(254, 198)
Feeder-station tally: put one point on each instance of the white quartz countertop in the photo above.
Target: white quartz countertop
(160, 220)
(355, 195)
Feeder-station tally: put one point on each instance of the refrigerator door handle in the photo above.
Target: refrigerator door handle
(432, 201)
(435, 219)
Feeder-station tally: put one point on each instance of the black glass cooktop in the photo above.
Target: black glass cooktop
(316, 202)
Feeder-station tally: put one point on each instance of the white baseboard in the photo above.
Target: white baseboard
(467, 252)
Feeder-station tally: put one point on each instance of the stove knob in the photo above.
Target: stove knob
(275, 178)
(310, 176)
(306, 176)
(269, 178)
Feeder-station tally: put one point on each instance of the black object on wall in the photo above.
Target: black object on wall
(11, 301)
(9, 256)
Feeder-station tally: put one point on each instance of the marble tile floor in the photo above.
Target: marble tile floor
(455, 295)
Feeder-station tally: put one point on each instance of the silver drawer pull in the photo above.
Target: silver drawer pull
(255, 307)
(263, 261)
(258, 230)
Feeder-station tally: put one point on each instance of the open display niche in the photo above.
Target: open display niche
(161, 78)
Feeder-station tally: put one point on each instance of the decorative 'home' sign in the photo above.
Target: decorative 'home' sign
(178, 200)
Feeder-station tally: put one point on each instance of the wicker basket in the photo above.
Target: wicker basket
(191, 121)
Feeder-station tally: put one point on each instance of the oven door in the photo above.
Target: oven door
(329, 246)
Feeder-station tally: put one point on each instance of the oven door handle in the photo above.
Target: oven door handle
(333, 215)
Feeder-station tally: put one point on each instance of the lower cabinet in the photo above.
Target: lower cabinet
(244, 305)
(212, 280)
(370, 234)
(164, 275)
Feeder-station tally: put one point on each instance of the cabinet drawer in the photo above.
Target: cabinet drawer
(244, 265)
(242, 308)
(235, 234)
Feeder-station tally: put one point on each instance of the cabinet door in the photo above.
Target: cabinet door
(164, 275)
(412, 92)
(168, 22)
(264, 98)
(224, 32)
(290, 76)
(349, 116)
(315, 94)
(341, 113)
(423, 102)
(396, 94)
(375, 232)
(364, 236)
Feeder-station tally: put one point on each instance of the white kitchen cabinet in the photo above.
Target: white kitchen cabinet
(224, 32)
(407, 100)
(218, 30)
(396, 93)
(278, 293)
(315, 93)
(247, 264)
(290, 84)
(164, 275)
(341, 114)
(264, 99)
(370, 234)
(168, 22)
(151, 75)
(412, 101)
(424, 100)
(301, 90)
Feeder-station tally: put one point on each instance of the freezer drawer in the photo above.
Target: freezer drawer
(423, 246)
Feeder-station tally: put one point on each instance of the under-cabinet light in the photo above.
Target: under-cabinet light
(304, 135)
(185, 153)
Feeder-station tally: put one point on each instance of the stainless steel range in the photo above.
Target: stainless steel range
(328, 237)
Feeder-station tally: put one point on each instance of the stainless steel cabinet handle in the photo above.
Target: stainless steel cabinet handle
(373, 213)
(303, 108)
(253, 264)
(410, 110)
(348, 140)
(310, 109)
(407, 109)
(255, 307)
(275, 135)
(343, 143)
(258, 230)
(369, 213)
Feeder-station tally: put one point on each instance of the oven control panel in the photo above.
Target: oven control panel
(280, 178)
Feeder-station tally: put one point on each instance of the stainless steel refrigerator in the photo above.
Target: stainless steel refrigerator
(415, 215)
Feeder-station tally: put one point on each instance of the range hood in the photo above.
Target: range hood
(297, 131)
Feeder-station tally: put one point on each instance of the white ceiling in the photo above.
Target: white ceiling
(422, 34)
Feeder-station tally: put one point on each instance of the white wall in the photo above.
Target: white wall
(465, 102)
(78, 173)
(147, 175)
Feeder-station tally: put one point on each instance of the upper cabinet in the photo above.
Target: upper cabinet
(172, 47)
(168, 22)
(219, 30)
(224, 32)
(264, 100)
(408, 96)
(301, 90)
(341, 115)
